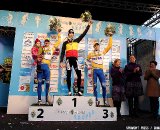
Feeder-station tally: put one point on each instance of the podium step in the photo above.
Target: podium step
(72, 108)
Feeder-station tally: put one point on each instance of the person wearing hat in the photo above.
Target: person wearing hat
(70, 48)
(45, 63)
(96, 58)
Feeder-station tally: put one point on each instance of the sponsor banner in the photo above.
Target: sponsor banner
(90, 89)
(91, 43)
(90, 82)
(54, 73)
(24, 50)
(26, 57)
(55, 59)
(107, 76)
(115, 50)
(54, 66)
(76, 24)
(53, 88)
(24, 79)
(54, 81)
(35, 87)
(81, 45)
(26, 64)
(42, 36)
(81, 53)
(107, 90)
(28, 40)
(24, 87)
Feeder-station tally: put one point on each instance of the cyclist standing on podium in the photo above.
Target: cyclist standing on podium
(70, 48)
(96, 58)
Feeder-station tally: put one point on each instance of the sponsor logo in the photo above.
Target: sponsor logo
(112, 115)
(90, 102)
(42, 36)
(53, 66)
(97, 58)
(59, 101)
(24, 87)
(27, 43)
(33, 113)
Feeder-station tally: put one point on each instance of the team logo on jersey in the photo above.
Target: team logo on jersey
(47, 53)
(97, 58)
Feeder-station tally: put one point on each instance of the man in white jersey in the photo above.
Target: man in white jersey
(45, 63)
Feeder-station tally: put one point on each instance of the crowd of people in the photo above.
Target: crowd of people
(127, 86)
(126, 82)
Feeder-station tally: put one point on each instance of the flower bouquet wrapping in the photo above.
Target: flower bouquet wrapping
(86, 16)
(109, 30)
(55, 24)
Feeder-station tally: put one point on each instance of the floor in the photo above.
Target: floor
(20, 122)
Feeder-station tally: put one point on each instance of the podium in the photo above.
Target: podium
(72, 108)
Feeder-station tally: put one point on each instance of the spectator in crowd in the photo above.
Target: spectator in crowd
(152, 76)
(118, 89)
(134, 88)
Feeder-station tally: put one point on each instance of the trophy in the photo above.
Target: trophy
(86, 16)
(55, 25)
(109, 30)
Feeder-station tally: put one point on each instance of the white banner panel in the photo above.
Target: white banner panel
(72, 108)
(46, 113)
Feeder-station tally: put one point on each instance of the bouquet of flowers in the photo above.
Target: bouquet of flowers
(86, 16)
(55, 24)
(109, 30)
(8, 61)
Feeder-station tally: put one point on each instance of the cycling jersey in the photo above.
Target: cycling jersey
(70, 47)
(96, 57)
(48, 51)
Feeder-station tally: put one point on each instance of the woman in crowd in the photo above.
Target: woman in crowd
(118, 85)
(134, 88)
